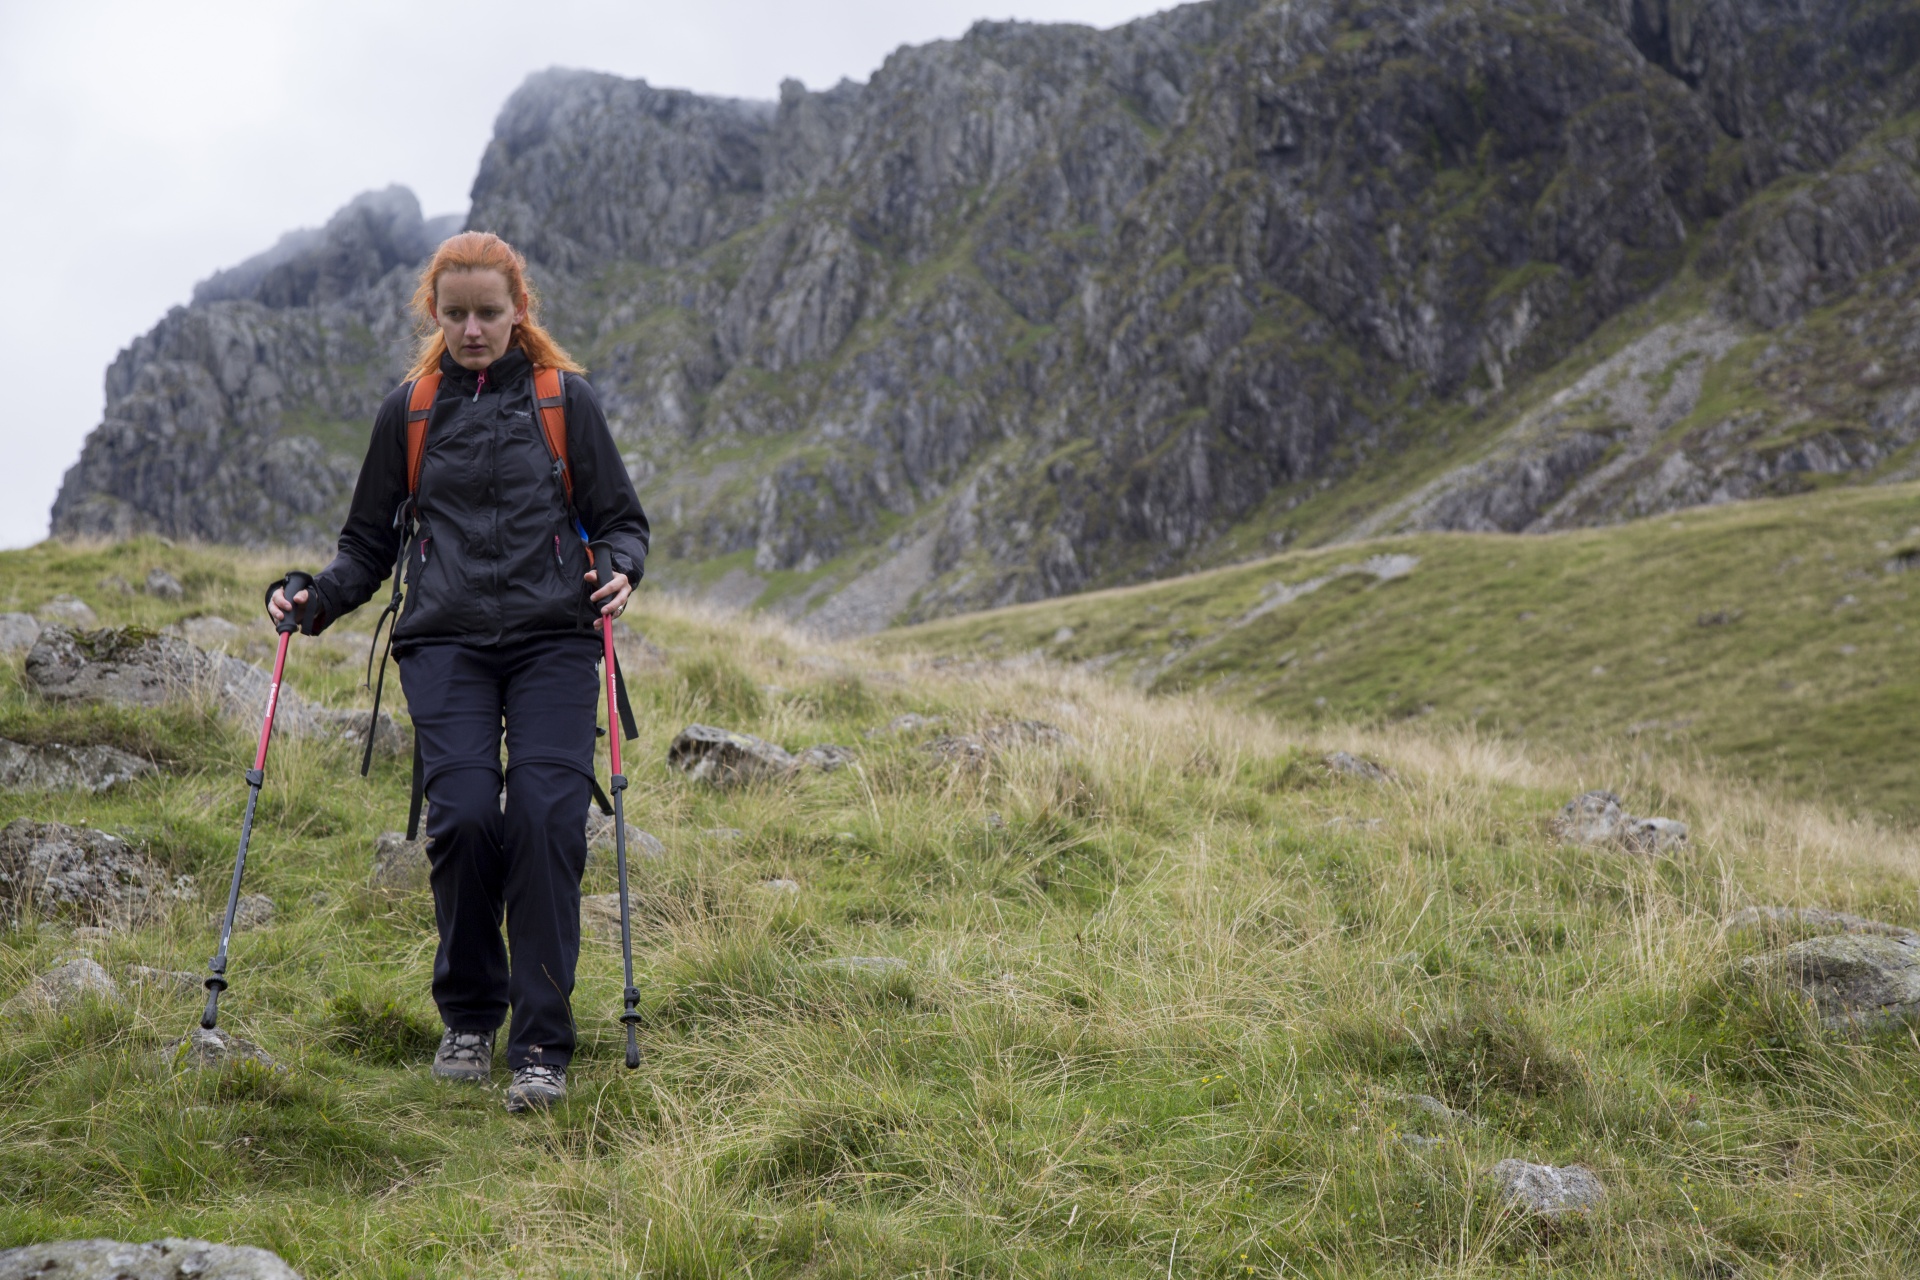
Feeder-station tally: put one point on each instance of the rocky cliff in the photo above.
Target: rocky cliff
(1048, 307)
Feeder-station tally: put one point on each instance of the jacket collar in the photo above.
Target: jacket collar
(502, 373)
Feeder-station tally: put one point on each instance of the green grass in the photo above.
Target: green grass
(1771, 637)
(1164, 988)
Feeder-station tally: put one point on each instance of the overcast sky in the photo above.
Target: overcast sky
(146, 143)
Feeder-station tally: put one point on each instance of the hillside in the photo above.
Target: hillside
(1164, 996)
(1047, 308)
(1775, 639)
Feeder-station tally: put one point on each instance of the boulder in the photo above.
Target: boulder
(399, 863)
(253, 911)
(18, 631)
(201, 1049)
(964, 750)
(640, 844)
(169, 1259)
(781, 885)
(65, 987)
(1784, 921)
(726, 758)
(1595, 819)
(1546, 1191)
(58, 768)
(1430, 1105)
(600, 916)
(1853, 980)
(207, 632)
(53, 870)
(164, 586)
(1352, 766)
(126, 666)
(129, 666)
(826, 757)
(70, 610)
(173, 982)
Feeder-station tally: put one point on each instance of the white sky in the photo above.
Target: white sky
(146, 143)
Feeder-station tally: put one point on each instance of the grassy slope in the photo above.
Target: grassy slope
(1581, 638)
(1155, 1021)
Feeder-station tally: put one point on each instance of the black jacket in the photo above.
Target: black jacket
(493, 558)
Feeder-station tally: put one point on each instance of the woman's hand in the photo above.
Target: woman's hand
(615, 593)
(279, 606)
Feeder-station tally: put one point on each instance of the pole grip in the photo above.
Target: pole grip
(296, 583)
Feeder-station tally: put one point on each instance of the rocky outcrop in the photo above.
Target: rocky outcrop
(726, 758)
(65, 987)
(1853, 980)
(54, 767)
(1596, 820)
(52, 870)
(128, 666)
(1546, 1191)
(169, 1259)
(1047, 307)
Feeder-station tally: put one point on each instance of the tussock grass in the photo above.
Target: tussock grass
(1166, 989)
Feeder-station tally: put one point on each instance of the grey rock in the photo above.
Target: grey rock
(164, 586)
(1352, 766)
(208, 631)
(1547, 1191)
(169, 1259)
(18, 631)
(65, 987)
(1418, 1141)
(131, 667)
(399, 863)
(1774, 921)
(53, 870)
(126, 667)
(640, 844)
(58, 768)
(782, 886)
(174, 982)
(726, 758)
(202, 1050)
(1853, 980)
(1595, 819)
(724, 834)
(70, 611)
(253, 911)
(963, 750)
(826, 757)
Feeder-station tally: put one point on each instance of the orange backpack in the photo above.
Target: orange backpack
(547, 398)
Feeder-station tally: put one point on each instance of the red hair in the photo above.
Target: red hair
(483, 251)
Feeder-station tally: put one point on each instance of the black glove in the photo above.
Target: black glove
(310, 616)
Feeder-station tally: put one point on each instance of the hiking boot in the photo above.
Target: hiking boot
(464, 1055)
(536, 1087)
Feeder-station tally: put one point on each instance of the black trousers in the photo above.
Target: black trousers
(524, 863)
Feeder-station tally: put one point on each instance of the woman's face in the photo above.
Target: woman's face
(476, 313)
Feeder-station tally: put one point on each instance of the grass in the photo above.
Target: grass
(1165, 987)
(1771, 638)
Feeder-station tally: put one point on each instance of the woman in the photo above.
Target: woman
(498, 626)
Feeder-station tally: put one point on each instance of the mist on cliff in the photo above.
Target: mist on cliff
(147, 146)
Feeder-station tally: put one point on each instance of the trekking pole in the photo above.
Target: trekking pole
(617, 786)
(256, 776)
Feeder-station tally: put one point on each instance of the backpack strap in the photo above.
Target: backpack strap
(550, 402)
(419, 409)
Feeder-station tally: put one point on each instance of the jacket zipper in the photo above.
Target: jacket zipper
(479, 384)
(557, 557)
